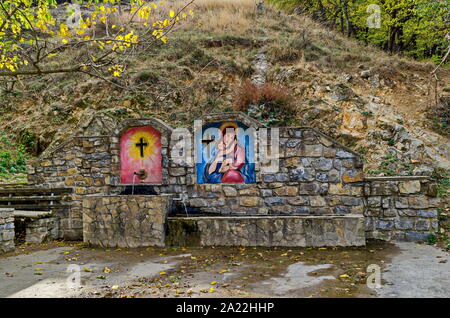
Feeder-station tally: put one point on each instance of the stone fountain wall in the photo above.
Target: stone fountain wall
(317, 177)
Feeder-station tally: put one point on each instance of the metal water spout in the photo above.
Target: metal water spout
(142, 174)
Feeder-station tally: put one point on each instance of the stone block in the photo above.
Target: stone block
(384, 224)
(418, 202)
(268, 178)
(401, 203)
(300, 200)
(374, 202)
(329, 152)
(274, 201)
(229, 191)
(302, 174)
(404, 223)
(344, 154)
(422, 225)
(427, 213)
(250, 201)
(409, 187)
(317, 201)
(314, 150)
(249, 192)
(339, 189)
(292, 162)
(352, 176)
(417, 236)
(323, 164)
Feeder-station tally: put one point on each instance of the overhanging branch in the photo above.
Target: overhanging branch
(41, 72)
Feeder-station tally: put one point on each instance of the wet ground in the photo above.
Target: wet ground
(50, 270)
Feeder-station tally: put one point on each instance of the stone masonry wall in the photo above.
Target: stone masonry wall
(42, 230)
(401, 208)
(6, 230)
(317, 176)
(124, 221)
(81, 163)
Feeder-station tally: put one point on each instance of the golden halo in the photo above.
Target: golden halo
(229, 124)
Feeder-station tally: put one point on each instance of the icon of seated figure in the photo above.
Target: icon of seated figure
(228, 161)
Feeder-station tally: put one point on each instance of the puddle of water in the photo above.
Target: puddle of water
(297, 277)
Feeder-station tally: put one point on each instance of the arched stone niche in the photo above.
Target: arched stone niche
(226, 149)
(140, 150)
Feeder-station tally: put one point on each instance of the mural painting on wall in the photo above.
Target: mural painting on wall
(140, 156)
(227, 154)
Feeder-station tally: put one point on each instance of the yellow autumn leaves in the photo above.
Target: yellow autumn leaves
(35, 28)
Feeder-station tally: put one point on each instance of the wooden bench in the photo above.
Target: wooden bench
(36, 207)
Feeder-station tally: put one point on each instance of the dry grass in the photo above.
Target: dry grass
(220, 16)
(209, 15)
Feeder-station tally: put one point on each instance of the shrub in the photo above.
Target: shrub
(246, 95)
(432, 239)
(147, 77)
(269, 103)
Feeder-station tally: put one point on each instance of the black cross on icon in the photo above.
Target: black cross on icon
(141, 144)
(207, 141)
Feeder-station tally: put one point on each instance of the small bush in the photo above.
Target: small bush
(432, 239)
(269, 103)
(28, 140)
(442, 177)
(10, 164)
(246, 95)
(147, 77)
(440, 116)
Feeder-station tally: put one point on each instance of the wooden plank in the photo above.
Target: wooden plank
(18, 190)
(32, 214)
(31, 198)
(43, 207)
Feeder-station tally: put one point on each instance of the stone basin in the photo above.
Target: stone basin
(270, 230)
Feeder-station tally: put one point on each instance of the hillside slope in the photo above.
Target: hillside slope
(372, 102)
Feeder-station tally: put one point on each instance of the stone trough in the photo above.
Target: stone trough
(143, 220)
(275, 230)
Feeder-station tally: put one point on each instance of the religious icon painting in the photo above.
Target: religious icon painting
(226, 151)
(140, 156)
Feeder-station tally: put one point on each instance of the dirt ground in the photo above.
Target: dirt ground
(50, 270)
